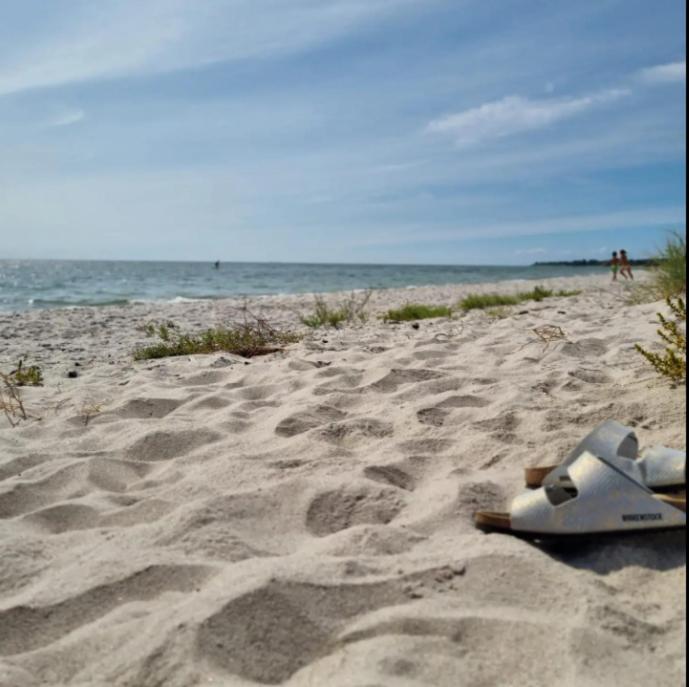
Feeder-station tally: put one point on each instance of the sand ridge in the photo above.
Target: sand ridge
(305, 519)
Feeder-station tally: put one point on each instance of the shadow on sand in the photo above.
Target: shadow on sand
(605, 554)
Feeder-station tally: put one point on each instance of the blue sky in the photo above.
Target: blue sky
(432, 131)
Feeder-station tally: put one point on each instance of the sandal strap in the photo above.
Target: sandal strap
(611, 441)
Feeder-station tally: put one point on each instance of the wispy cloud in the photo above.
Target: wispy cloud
(67, 118)
(515, 114)
(664, 73)
(115, 38)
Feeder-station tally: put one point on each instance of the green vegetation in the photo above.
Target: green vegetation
(416, 311)
(249, 339)
(11, 403)
(668, 274)
(476, 301)
(670, 271)
(672, 363)
(350, 311)
(160, 329)
(27, 376)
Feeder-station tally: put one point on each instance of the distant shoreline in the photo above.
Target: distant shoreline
(644, 262)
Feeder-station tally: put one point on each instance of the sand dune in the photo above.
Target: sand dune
(304, 518)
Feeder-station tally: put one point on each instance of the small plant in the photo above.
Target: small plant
(27, 376)
(349, 311)
(672, 363)
(11, 402)
(162, 330)
(416, 311)
(254, 336)
(548, 333)
(538, 293)
(88, 410)
(324, 316)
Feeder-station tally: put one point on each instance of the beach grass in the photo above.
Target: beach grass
(349, 311)
(416, 311)
(481, 301)
(27, 375)
(247, 340)
(11, 403)
(670, 271)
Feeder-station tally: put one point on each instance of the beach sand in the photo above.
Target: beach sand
(304, 518)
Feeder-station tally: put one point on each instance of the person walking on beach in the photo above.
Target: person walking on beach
(625, 265)
(614, 265)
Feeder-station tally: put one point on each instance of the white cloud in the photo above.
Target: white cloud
(67, 118)
(664, 73)
(515, 114)
(114, 38)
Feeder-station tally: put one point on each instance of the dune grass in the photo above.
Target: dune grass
(670, 271)
(416, 311)
(27, 375)
(248, 339)
(480, 301)
(11, 403)
(350, 311)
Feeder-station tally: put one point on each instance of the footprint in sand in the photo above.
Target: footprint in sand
(205, 378)
(269, 633)
(396, 378)
(584, 348)
(167, 445)
(259, 392)
(212, 402)
(337, 510)
(43, 625)
(392, 475)
(308, 419)
(344, 381)
(142, 408)
(436, 415)
(417, 446)
(502, 428)
(350, 432)
(590, 376)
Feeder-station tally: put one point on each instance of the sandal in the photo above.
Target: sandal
(601, 499)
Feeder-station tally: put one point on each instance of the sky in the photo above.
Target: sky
(368, 131)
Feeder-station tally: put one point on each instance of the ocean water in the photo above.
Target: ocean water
(30, 284)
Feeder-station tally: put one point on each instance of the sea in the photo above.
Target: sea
(34, 284)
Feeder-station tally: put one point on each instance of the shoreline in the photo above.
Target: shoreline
(89, 287)
(88, 329)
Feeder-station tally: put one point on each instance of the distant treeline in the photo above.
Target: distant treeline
(646, 262)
